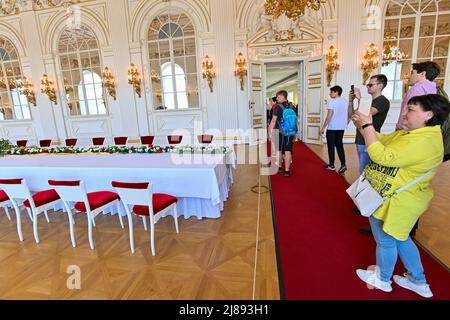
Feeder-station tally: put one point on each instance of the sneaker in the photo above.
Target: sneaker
(287, 174)
(371, 278)
(280, 170)
(331, 168)
(342, 169)
(421, 289)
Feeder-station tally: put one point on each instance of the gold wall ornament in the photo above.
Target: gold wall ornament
(370, 62)
(109, 82)
(48, 88)
(209, 73)
(134, 78)
(28, 91)
(155, 76)
(332, 64)
(292, 8)
(240, 70)
(10, 81)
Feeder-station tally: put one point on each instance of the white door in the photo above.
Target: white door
(315, 79)
(257, 107)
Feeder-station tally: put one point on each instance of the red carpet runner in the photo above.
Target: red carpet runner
(319, 240)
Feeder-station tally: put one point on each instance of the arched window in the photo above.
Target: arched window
(421, 29)
(81, 72)
(13, 104)
(173, 62)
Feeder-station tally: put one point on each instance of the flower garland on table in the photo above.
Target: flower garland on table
(115, 150)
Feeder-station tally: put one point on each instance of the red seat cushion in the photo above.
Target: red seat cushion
(147, 139)
(42, 197)
(160, 202)
(97, 200)
(3, 196)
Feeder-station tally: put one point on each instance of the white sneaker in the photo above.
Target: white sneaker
(421, 289)
(371, 278)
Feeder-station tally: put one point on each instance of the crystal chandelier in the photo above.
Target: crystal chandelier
(392, 52)
(292, 8)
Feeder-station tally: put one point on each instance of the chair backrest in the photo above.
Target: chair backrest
(147, 139)
(174, 139)
(70, 191)
(16, 189)
(45, 143)
(71, 142)
(22, 143)
(120, 141)
(132, 193)
(99, 141)
(205, 138)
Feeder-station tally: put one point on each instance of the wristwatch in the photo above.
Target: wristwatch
(367, 125)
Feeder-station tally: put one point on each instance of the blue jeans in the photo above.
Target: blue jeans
(363, 156)
(389, 248)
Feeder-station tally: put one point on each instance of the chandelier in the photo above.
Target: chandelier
(392, 52)
(292, 8)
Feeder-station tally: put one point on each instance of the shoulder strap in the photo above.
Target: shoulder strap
(409, 185)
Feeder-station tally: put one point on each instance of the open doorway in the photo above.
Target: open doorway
(286, 75)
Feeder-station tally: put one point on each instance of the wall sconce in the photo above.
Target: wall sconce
(68, 88)
(240, 70)
(48, 88)
(208, 71)
(28, 91)
(109, 82)
(134, 79)
(155, 76)
(332, 63)
(370, 62)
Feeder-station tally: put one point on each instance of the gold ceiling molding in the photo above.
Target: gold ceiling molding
(291, 8)
(10, 7)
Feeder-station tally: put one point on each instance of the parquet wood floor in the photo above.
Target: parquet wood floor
(208, 259)
(433, 232)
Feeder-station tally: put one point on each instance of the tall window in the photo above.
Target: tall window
(13, 104)
(421, 28)
(173, 62)
(81, 71)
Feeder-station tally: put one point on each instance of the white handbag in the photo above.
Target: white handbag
(368, 200)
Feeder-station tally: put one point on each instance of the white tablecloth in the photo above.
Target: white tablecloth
(201, 181)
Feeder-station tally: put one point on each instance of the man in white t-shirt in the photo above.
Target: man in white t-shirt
(336, 123)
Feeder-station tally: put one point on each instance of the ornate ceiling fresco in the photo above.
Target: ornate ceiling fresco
(10, 7)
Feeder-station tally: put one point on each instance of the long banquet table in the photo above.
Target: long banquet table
(201, 181)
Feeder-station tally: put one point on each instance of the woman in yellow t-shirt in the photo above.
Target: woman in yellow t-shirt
(396, 160)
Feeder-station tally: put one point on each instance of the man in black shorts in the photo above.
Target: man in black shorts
(286, 143)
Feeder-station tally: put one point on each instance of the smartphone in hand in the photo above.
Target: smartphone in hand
(352, 89)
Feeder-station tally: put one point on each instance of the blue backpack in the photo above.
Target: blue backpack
(288, 124)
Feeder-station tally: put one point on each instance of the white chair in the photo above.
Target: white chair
(92, 203)
(145, 204)
(4, 202)
(36, 204)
